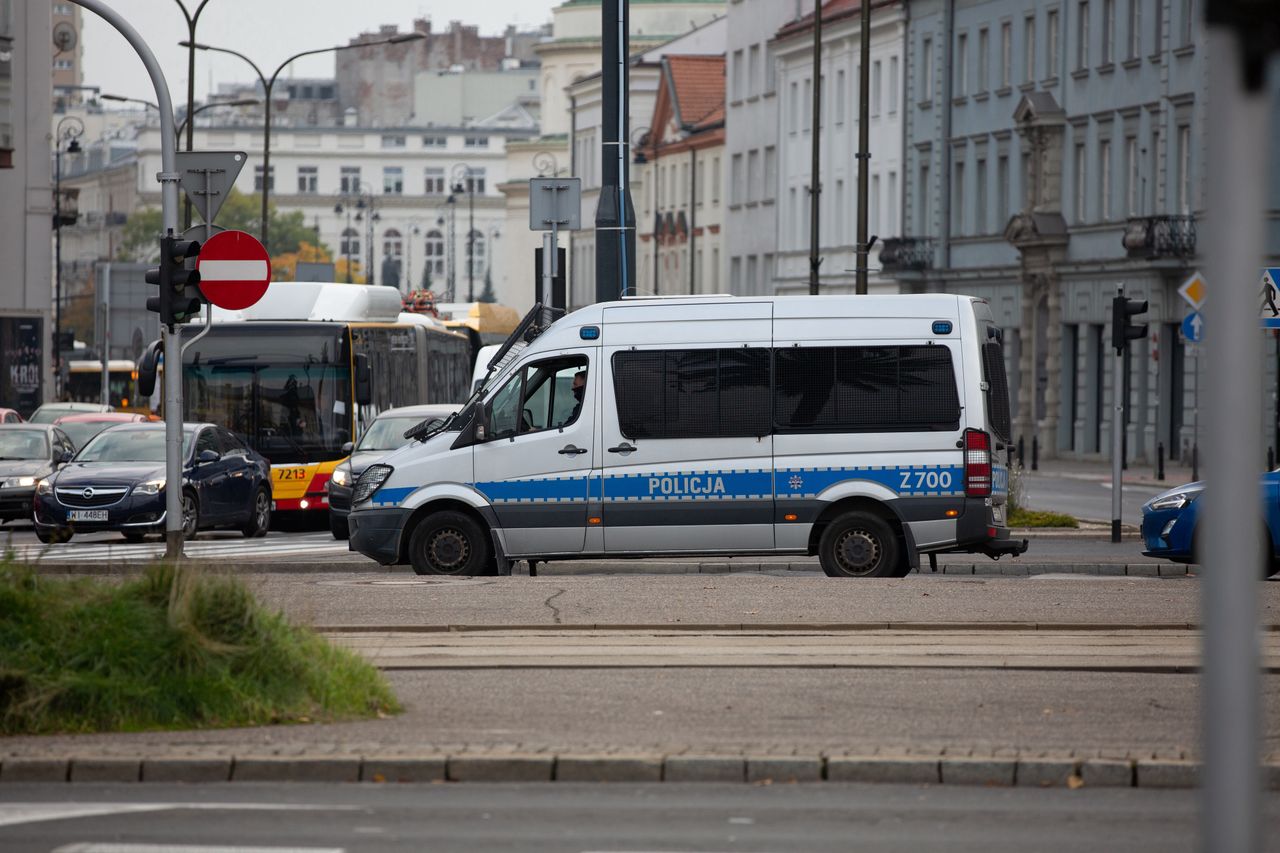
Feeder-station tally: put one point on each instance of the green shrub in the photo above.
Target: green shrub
(170, 649)
(1038, 518)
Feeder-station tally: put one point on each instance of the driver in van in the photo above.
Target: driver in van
(579, 390)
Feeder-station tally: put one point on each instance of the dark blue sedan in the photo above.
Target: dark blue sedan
(1171, 522)
(117, 482)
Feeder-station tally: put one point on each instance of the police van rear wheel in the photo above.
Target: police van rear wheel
(859, 545)
(449, 543)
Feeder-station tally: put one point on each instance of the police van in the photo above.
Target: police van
(865, 430)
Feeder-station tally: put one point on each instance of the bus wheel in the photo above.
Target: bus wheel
(449, 543)
(859, 545)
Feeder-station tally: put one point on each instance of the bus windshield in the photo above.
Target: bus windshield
(287, 392)
(85, 386)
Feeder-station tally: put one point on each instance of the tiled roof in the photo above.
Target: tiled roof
(831, 10)
(698, 83)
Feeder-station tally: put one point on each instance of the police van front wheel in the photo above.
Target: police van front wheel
(859, 545)
(449, 543)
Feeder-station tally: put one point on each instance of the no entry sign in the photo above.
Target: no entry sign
(234, 270)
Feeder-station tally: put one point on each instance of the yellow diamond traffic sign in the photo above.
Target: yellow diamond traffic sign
(1194, 290)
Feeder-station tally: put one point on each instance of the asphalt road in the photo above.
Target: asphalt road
(567, 817)
(1085, 497)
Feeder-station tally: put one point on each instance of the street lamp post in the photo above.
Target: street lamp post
(450, 243)
(468, 184)
(192, 20)
(69, 130)
(191, 114)
(267, 84)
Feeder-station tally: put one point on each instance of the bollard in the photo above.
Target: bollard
(1195, 462)
(1022, 458)
(1008, 456)
(1035, 453)
(1271, 458)
(1160, 461)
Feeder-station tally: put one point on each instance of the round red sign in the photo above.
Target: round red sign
(234, 270)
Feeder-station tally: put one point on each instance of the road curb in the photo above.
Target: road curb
(620, 767)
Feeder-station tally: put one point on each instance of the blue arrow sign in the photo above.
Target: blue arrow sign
(1193, 328)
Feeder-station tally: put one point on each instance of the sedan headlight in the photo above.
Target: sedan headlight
(44, 487)
(150, 487)
(18, 482)
(341, 476)
(1175, 501)
(370, 481)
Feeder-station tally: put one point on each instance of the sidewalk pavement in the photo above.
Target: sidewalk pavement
(1099, 471)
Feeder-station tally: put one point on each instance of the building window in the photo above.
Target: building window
(1002, 190)
(1104, 179)
(433, 181)
(64, 64)
(393, 245)
(1184, 169)
(1108, 31)
(891, 205)
(738, 92)
(957, 200)
(893, 85)
(1135, 29)
(435, 252)
(349, 179)
(794, 107)
(962, 65)
(1158, 21)
(753, 175)
(924, 205)
(307, 179)
(715, 180)
(1131, 177)
(735, 275)
(806, 108)
(350, 244)
(753, 69)
(876, 85)
(984, 54)
(475, 242)
(1006, 55)
(1082, 35)
(926, 70)
(1029, 45)
(257, 179)
(1081, 184)
(1188, 21)
(874, 204)
(392, 141)
(474, 182)
(1052, 39)
(392, 180)
(980, 196)
(840, 93)
(735, 180)
(435, 141)
(475, 142)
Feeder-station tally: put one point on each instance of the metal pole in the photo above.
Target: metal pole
(266, 162)
(1117, 429)
(548, 267)
(471, 237)
(1236, 188)
(864, 150)
(105, 281)
(57, 263)
(168, 178)
(615, 218)
(815, 165)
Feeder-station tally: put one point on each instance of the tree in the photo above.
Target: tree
(486, 295)
(242, 212)
(284, 267)
(340, 270)
(426, 276)
(140, 242)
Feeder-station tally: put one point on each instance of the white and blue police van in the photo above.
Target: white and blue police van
(865, 430)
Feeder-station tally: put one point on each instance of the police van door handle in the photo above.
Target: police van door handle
(623, 448)
(570, 450)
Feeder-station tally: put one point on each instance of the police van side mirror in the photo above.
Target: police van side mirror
(476, 431)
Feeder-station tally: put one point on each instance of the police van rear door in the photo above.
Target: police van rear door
(688, 450)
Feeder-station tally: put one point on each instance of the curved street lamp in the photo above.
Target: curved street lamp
(268, 83)
(464, 183)
(69, 131)
(240, 102)
(357, 202)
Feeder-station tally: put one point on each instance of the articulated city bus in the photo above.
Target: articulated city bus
(83, 384)
(300, 375)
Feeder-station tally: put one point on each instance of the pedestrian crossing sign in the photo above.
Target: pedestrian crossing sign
(1270, 298)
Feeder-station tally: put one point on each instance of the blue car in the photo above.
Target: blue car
(1171, 522)
(117, 482)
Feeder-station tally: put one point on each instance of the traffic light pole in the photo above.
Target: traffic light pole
(1117, 435)
(168, 178)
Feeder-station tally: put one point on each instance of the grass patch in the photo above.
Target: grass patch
(172, 649)
(1020, 517)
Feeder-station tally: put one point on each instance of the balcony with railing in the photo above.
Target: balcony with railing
(906, 254)
(1160, 237)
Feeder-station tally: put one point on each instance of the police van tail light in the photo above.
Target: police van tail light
(977, 464)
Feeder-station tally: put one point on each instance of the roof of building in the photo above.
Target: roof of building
(832, 10)
(697, 84)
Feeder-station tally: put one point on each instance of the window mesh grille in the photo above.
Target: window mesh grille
(997, 389)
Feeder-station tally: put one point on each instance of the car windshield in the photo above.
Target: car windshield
(23, 444)
(388, 433)
(81, 431)
(49, 414)
(129, 445)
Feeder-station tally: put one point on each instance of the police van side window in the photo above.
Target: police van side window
(504, 408)
(541, 396)
(865, 389)
(702, 393)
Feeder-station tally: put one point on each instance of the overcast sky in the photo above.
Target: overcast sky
(268, 31)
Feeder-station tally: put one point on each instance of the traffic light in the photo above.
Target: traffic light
(179, 299)
(1122, 330)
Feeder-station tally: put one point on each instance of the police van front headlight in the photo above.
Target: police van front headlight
(370, 481)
